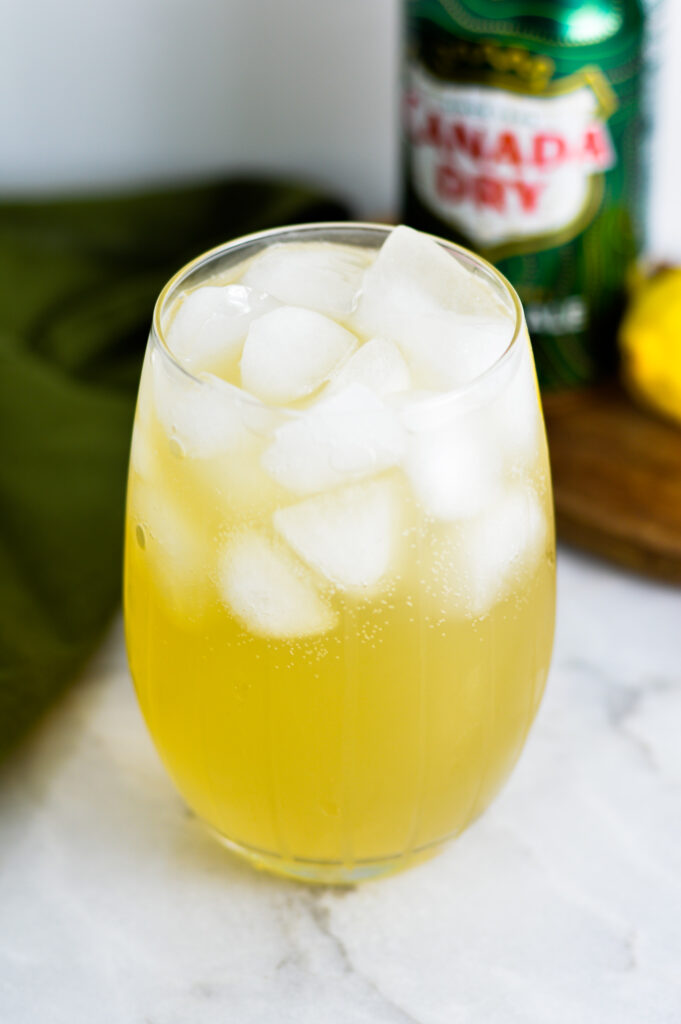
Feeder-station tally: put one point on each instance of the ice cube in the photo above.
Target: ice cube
(449, 350)
(449, 322)
(455, 470)
(204, 417)
(417, 274)
(164, 524)
(320, 276)
(339, 439)
(172, 543)
(269, 592)
(378, 365)
(211, 323)
(420, 409)
(235, 485)
(143, 450)
(350, 536)
(515, 412)
(477, 562)
(291, 352)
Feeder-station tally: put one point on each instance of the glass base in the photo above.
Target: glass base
(328, 872)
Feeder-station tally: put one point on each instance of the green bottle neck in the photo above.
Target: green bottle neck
(536, 23)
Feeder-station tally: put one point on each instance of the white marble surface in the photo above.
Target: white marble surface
(561, 906)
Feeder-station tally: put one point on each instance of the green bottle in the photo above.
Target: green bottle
(524, 125)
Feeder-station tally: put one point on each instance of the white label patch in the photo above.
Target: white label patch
(502, 166)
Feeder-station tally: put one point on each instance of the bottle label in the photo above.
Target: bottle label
(513, 171)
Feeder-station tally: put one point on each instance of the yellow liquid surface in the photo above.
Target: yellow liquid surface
(378, 738)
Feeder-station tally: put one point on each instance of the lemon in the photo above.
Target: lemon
(650, 342)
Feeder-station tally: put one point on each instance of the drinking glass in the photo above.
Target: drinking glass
(325, 728)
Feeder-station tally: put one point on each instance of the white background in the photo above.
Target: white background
(138, 90)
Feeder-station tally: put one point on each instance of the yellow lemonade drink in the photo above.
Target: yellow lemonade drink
(339, 578)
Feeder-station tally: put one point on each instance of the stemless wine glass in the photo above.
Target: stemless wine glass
(339, 616)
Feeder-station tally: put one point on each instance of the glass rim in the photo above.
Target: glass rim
(274, 234)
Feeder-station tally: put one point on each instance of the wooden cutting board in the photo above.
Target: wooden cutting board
(617, 479)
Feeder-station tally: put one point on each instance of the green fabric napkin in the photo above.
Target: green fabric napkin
(78, 281)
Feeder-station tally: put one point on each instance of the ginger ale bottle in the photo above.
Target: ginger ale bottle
(523, 141)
